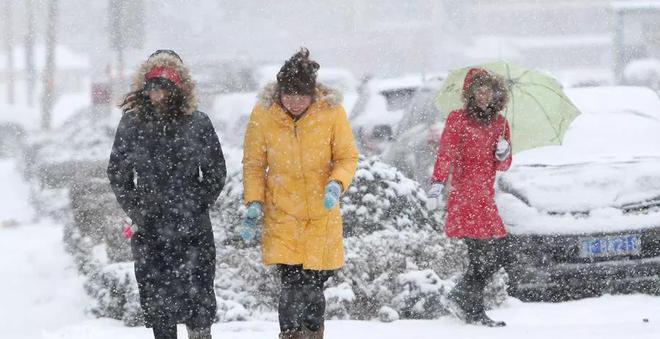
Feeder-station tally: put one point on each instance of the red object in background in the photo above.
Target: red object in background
(101, 93)
(433, 136)
(128, 230)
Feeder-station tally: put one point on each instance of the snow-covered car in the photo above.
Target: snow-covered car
(416, 139)
(584, 216)
(213, 78)
(230, 115)
(378, 110)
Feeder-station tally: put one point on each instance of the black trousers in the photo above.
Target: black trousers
(302, 302)
(164, 331)
(168, 331)
(485, 257)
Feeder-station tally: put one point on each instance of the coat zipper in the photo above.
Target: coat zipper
(300, 160)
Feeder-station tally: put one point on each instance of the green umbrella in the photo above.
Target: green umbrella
(538, 110)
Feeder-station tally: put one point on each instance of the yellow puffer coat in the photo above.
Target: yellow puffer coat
(286, 166)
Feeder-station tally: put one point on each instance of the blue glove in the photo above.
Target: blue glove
(253, 218)
(332, 192)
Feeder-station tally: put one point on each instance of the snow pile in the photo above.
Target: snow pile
(615, 99)
(14, 207)
(643, 72)
(387, 314)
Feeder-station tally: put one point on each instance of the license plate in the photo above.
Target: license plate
(610, 246)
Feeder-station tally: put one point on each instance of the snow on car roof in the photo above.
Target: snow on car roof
(609, 99)
(388, 84)
(587, 186)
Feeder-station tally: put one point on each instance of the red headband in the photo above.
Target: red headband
(164, 72)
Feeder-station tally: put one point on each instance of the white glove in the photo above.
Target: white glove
(503, 149)
(435, 196)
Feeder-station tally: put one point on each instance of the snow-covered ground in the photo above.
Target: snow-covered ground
(605, 317)
(14, 202)
(40, 290)
(41, 296)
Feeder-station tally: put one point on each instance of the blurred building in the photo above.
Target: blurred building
(72, 68)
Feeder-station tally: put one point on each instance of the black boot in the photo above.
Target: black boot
(458, 302)
(482, 318)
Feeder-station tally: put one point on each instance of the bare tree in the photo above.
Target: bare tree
(9, 47)
(31, 74)
(48, 98)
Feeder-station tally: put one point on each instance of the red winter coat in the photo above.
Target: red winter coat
(467, 155)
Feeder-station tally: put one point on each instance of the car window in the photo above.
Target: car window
(398, 98)
(421, 110)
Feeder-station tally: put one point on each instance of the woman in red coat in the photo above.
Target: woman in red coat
(475, 143)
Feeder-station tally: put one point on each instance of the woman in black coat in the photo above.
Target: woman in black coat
(166, 169)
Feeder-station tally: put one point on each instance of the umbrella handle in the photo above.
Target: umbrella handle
(503, 133)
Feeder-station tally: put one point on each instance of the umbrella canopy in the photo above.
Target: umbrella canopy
(538, 110)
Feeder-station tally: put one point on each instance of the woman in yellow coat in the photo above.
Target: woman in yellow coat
(299, 156)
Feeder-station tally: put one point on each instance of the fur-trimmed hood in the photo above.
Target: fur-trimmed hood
(325, 94)
(477, 77)
(166, 60)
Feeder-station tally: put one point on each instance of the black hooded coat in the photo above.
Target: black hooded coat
(166, 171)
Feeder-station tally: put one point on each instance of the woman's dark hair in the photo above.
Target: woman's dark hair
(138, 101)
(497, 103)
(298, 74)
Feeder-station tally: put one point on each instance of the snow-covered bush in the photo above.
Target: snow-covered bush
(244, 287)
(381, 198)
(339, 299)
(69, 155)
(378, 282)
(85, 137)
(421, 294)
(114, 290)
(398, 261)
(228, 212)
